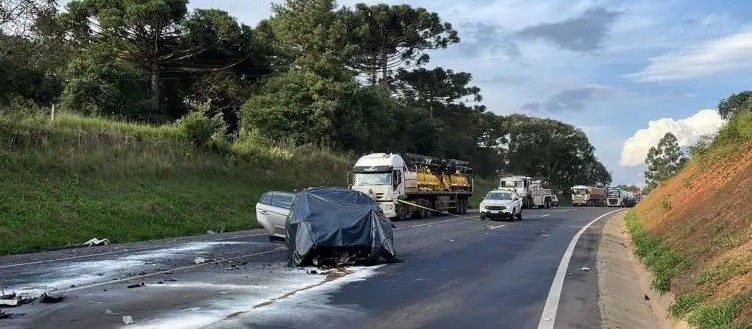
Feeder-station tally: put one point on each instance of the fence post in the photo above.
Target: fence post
(52, 113)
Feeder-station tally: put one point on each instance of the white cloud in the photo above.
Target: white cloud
(687, 132)
(716, 56)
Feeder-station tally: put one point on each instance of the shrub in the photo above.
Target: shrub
(203, 130)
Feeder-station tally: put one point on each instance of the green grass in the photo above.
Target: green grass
(719, 315)
(686, 303)
(78, 178)
(481, 187)
(660, 258)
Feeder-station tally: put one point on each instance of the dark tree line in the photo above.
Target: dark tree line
(356, 79)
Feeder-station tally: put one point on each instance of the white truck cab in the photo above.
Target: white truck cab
(381, 175)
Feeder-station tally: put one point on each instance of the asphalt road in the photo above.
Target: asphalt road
(458, 272)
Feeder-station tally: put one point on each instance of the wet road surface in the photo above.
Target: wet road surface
(458, 272)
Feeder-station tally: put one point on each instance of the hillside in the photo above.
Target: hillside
(79, 178)
(695, 233)
(66, 182)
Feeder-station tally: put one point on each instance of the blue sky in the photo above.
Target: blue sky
(625, 72)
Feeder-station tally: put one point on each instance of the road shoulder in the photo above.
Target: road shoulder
(624, 301)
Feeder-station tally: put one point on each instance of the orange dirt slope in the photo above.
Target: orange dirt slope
(705, 214)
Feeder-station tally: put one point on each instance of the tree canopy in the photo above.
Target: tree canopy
(357, 79)
(663, 161)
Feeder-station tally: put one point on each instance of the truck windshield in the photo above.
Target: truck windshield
(511, 184)
(373, 179)
(613, 193)
(579, 191)
(499, 196)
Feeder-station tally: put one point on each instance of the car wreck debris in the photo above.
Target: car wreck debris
(337, 226)
(97, 242)
(200, 260)
(47, 299)
(136, 285)
(128, 320)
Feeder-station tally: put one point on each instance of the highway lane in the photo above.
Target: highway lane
(457, 272)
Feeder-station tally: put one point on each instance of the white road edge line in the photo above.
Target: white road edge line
(545, 215)
(497, 226)
(548, 317)
(52, 260)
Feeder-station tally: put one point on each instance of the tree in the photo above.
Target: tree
(735, 103)
(552, 150)
(312, 34)
(144, 33)
(387, 38)
(17, 17)
(436, 89)
(663, 161)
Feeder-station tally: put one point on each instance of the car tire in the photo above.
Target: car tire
(482, 217)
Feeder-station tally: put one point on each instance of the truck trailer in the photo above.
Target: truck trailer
(411, 185)
(532, 192)
(590, 196)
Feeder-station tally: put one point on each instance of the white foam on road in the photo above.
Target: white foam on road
(63, 276)
(289, 297)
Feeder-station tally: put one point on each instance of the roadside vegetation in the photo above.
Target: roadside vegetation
(694, 229)
(82, 177)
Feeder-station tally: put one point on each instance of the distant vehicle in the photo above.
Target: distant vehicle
(531, 191)
(502, 204)
(411, 185)
(272, 210)
(554, 201)
(616, 197)
(590, 196)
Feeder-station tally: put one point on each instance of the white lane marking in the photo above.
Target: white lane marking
(545, 215)
(119, 252)
(548, 317)
(174, 269)
(495, 227)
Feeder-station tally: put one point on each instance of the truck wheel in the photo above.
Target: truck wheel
(548, 205)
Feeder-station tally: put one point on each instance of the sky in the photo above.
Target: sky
(625, 72)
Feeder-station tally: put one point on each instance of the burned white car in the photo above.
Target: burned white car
(337, 226)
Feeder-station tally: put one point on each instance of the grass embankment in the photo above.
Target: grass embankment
(77, 178)
(481, 187)
(695, 233)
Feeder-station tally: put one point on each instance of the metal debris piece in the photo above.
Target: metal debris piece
(586, 269)
(136, 285)
(8, 302)
(128, 320)
(47, 299)
(199, 260)
(97, 242)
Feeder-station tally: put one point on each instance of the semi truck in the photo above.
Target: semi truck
(589, 196)
(532, 192)
(411, 185)
(616, 197)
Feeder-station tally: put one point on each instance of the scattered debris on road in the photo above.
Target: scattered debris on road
(646, 297)
(110, 312)
(136, 285)
(4, 315)
(47, 299)
(97, 242)
(200, 260)
(8, 302)
(127, 319)
(586, 269)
